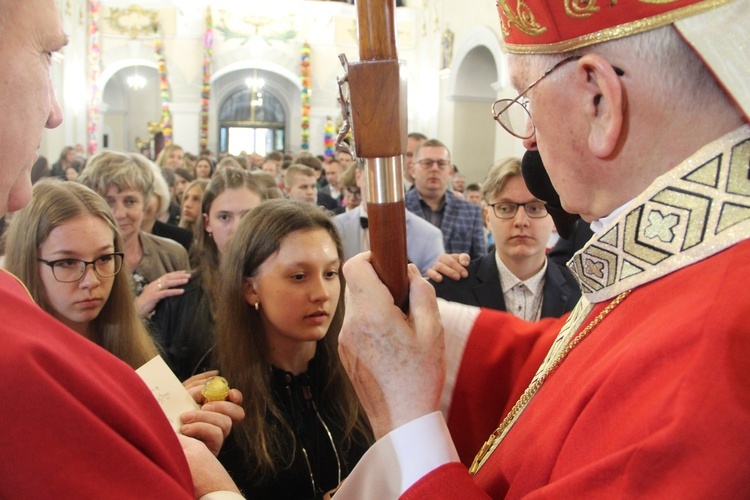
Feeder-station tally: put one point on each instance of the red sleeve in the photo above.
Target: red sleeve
(501, 357)
(78, 422)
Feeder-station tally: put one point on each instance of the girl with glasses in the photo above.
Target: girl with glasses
(65, 229)
(66, 248)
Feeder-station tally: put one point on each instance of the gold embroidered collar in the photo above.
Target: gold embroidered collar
(694, 211)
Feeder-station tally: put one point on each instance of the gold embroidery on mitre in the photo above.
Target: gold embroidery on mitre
(582, 8)
(614, 32)
(658, 2)
(523, 19)
(696, 210)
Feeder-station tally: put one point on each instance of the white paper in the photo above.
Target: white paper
(172, 396)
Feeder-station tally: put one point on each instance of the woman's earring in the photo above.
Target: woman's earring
(257, 306)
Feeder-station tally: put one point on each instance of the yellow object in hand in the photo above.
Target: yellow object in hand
(216, 389)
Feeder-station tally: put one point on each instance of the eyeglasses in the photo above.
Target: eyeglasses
(513, 114)
(426, 163)
(72, 270)
(508, 209)
(354, 193)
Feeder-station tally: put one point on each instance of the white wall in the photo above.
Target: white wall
(435, 106)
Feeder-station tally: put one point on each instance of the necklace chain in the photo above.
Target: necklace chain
(494, 440)
(333, 445)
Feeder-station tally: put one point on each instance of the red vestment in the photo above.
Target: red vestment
(655, 401)
(77, 422)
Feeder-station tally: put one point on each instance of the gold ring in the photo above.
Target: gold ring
(158, 283)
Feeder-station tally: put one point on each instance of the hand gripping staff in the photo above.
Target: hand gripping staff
(376, 114)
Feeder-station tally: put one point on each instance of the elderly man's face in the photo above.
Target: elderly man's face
(31, 32)
(559, 137)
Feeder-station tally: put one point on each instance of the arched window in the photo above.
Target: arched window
(252, 120)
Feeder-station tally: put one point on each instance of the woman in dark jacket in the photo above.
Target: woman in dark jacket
(183, 325)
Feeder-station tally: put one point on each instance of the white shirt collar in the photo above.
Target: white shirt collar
(600, 225)
(508, 280)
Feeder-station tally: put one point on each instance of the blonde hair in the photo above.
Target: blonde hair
(498, 176)
(117, 328)
(161, 160)
(161, 189)
(201, 183)
(295, 170)
(122, 170)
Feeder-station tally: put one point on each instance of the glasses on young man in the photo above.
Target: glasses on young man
(508, 209)
(513, 114)
(427, 163)
(72, 270)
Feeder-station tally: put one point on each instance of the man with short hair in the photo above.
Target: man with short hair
(641, 113)
(79, 422)
(459, 220)
(323, 199)
(333, 170)
(345, 158)
(474, 194)
(413, 141)
(458, 181)
(517, 277)
(424, 242)
(300, 183)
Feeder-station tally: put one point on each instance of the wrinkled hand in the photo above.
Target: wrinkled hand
(208, 474)
(450, 265)
(160, 289)
(396, 363)
(213, 422)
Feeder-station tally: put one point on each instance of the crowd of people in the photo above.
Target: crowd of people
(613, 377)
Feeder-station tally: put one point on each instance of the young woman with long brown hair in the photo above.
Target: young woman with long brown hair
(279, 312)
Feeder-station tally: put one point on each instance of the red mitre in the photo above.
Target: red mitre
(555, 26)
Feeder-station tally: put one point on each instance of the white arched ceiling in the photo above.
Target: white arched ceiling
(477, 60)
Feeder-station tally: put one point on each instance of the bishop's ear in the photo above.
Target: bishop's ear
(604, 102)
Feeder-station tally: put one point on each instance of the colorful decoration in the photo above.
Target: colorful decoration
(328, 139)
(94, 72)
(165, 93)
(208, 44)
(306, 88)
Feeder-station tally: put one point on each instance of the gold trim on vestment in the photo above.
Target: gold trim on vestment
(692, 212)
(615, 32)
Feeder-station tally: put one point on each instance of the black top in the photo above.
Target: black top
(179, 234)
(310, 449)
(327, 201)
(184, 329)
(564, 249)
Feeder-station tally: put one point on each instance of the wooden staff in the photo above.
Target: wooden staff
(377, 92)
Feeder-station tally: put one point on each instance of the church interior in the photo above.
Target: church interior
(262, 75)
